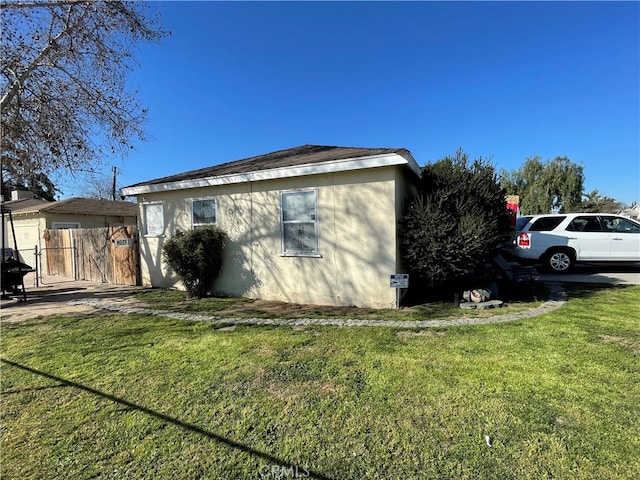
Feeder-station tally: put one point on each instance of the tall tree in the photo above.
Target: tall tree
(596, 203)
(38, 184)
(64, 102)
(456, 220)
(545, 186)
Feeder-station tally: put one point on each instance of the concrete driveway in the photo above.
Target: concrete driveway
(628, 274)
(54, 299)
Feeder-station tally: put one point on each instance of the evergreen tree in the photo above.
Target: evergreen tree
(596, 203)
(546, 186)
(456, 220)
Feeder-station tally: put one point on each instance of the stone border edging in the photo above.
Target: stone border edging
(558, 298)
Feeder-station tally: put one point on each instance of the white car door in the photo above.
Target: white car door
(625, 238)
(587, 237)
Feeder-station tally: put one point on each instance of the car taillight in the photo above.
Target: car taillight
(524, 240)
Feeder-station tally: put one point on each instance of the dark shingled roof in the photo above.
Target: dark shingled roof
(303, 155)
(21, 204)
(82, 206)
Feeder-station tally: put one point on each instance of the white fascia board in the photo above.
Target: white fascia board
(359, 163)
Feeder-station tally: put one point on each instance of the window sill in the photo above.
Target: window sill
(308, 255)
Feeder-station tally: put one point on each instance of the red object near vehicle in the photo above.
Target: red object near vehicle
(524, 241)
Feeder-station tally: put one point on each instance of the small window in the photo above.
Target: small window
(299, 223)
(204, 212)
(153, 218)
(546, 224)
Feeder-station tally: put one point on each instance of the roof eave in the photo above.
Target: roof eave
(358, 163)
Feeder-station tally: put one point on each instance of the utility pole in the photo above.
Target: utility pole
(113, 189)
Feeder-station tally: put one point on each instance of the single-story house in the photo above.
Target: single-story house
(32, 217)
(632, 212)
(311, 224)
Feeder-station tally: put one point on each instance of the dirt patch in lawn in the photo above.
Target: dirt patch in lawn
(635, 347)
(419, 333)
(57, 299)
(266, 309)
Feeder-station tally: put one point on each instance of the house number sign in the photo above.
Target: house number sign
(122, 242)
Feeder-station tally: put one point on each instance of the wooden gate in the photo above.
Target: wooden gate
(103, 255)
(124, 255)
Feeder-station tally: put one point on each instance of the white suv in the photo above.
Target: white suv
(561, 240)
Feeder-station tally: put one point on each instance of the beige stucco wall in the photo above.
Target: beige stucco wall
(357, 217)
(28, 232)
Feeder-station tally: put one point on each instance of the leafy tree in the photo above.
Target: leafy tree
(39, 184)
(456, 220)
(596, 203)
(196, 257)
(64, 102)
(546, 186)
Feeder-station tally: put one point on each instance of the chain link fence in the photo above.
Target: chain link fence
(29, 257)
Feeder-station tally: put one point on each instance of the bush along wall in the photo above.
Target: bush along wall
(196, 257)
(455, 221)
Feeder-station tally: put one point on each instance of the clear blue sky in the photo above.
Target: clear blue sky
(506, 80)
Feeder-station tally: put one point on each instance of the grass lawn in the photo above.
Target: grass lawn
(139, 397)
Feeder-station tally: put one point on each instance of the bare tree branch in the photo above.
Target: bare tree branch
(45, 4)
(17, 84)
(64, 102)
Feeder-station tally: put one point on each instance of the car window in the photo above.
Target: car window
(546, 224)
(521, 222)
(617, 224)
(585, 224)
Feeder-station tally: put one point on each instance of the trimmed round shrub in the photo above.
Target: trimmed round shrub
(196, 257)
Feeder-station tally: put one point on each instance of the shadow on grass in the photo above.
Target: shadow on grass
(166, 418)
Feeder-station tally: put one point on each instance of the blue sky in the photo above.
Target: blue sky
(506, 80)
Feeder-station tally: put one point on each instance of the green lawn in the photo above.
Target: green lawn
(139, 397)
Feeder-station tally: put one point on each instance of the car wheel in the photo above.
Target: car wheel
(559, 261)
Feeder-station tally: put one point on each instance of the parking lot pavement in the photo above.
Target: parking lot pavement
(617, 274)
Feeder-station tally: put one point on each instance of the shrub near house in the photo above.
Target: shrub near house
(456, 220)
(196, 256)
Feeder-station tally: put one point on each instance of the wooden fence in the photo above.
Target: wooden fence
(102, 255)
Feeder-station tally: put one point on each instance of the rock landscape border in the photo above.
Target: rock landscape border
(558, 298)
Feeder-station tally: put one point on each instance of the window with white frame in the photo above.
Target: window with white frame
(153, 215)
(204, 212)
(299, 222)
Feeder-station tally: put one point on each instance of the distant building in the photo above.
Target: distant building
(631, 212)
(31, 218)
